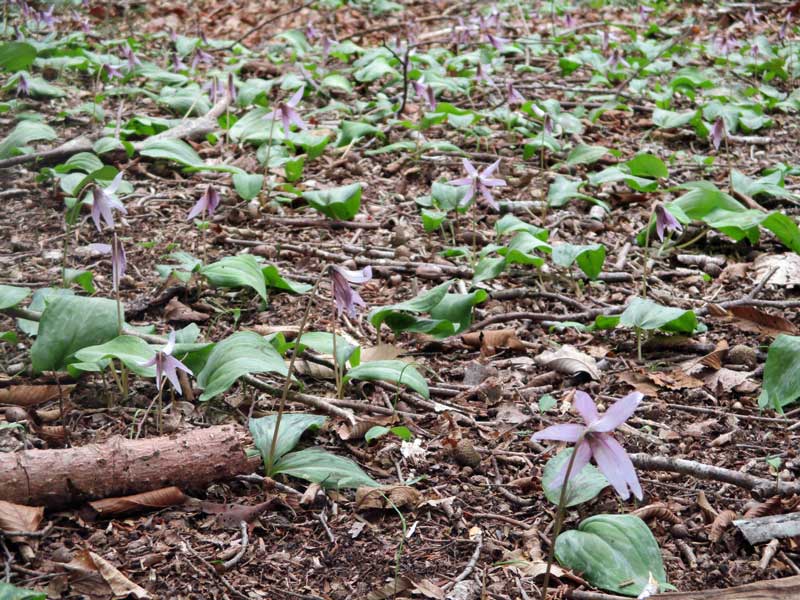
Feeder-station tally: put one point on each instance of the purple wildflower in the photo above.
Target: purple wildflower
(104, 203)
(46, 17)
(177, 63)
(345, 297)
(665, 221)
(644, 13)
(207, 204)
(569, 21)
(725, 44)
(617, 58)
(482, 76)
(312, 32)
(112, 71)
(118, 260)
(130, 56)
(751, 17)
(495, 40)
(595, 439)
(167, 365)
(231, 88)
(287, 114)
(718, 132)
(215, 89)
(547, 125)
(22, 85)
(201, 56)
(513, 96)
(479, 182)
(425, 91)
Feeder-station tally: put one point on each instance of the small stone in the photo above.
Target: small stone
(402, 252)
(61, 555)
(15, 414)
(743, 355)
(465, 454)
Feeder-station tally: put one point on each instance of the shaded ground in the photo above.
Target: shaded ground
(330, 549)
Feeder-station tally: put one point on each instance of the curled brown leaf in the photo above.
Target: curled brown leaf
(720, 525)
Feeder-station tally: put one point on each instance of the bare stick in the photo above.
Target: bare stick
(228, 565)
(470, 565)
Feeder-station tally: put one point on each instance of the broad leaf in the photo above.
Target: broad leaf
(242, 353)
(326, 469)
(23, 134)
(322, 342)
(68, 324)
(590, 258)
(563, 189)
(236, 272)
(10, 592)
(585, 155)
(781, 373)
(274, 279)
(248, 185)
(612, 552)
(340, 203)
(394, 371)
(132, 351)
(293, 425)
(646, 314)
(11, 295)
(582, 486)
(16, 56)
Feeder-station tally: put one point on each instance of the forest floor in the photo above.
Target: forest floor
(511, 368)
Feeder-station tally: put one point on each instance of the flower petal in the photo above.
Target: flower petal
(298, 95)
(586, 407)
(361, 276)
(469, 168)
(490, 169)
(618, 413)
(614, 463)
(566, 432)
(584, 454)
(462, 181)
(112, 187)
(170, 343)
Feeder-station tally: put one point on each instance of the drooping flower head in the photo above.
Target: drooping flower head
(287, 114)
(481, 75)
(104, 202)
(206, 205)
(345, 297)
(22, 85)
(665, 221)
(167, 365)
(426, 92)
(595, 439)
(718, 132)
(479, 182)
(130, 56)
(118, 260)
(513, 97)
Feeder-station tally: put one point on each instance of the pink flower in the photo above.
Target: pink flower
(595, 439)
(666, 222)
(206, 205)
(118, 261)
(104, 202)
(345, 297)
(167, 365)
(425, 91)
(513, 96)
(479, 182)
(718, 132)
(287, 114)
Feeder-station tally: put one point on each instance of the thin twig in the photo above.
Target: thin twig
(228, 565)
(470, 565)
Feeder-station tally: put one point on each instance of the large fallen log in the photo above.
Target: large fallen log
(118, 467)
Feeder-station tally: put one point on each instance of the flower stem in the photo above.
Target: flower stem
(337, 371)
(288, 383)
(646, 258)
(562, 500)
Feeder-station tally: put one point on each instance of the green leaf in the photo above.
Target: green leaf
(563, 189)
(38, 303)
(274, 279)
(611, 550)
(488, 268)
(10, 592)
(647, 165)
(132, 351)
(585, 155)
(646, 314)
(294, 168)
(419, 304)
(236, 272)
(432, 219)
(590, 258)
(172, 149)
(511, 224)
(352, 131)
(293, 425)
(582, 487)
(248, 185)
(83, 161)
(11, 295)
(68, 324)
(242, 353)
(85, 279)
(781, 373)
(16, 56)
(448, 197)
(326, 469)
(519, 251)
(375, 432)
(622, 173)
(394, 371)
(340, 203)
(23, 134)
(667, 119)
(322, 342)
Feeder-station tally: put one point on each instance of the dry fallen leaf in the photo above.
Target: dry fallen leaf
(178, 311)
(720, 525)
(568, 360)
(787, 269)
(162, 498)
(751, 318)
(492, 340)
(714, 359)
(94, 571)
(726, 380)
(380, 352)
(17, 517)
(30, 395)
(387, 497)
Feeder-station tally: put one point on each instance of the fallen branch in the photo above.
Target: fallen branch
(759, 487)
(190, 129)
(119, 467)
(787, 588)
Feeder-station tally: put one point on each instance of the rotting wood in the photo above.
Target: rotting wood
(118, 467)
(787, 588)
(762, 529)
